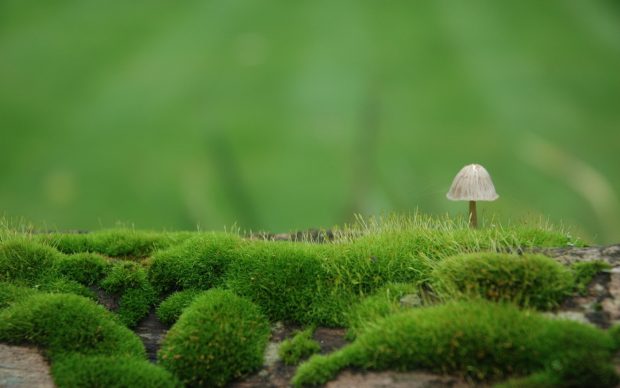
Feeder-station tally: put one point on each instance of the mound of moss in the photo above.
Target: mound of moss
(478, 339)
(171, 308)
(11, 293)
(198, 263)
(301, 346)
(528, 280)
(122, 243)
(26, 261)
(85, 268)
(110, 372)
(288, 281)
(219, 337)
(385, 301)
(128, 280)
(63, 323)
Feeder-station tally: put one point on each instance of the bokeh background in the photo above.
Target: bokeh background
(283, 115)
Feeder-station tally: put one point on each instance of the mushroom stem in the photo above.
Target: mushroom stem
(473, 217)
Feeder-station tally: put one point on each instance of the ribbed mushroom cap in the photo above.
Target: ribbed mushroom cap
(472, 183)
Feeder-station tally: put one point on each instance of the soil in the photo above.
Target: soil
(152, 332)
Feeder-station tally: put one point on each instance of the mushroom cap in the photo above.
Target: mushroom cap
(472, 183)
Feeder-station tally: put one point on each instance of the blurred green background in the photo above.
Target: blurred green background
(282, 115)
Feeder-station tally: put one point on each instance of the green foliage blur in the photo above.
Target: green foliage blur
(289, 115)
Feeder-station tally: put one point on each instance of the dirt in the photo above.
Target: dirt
(152, 332)
(23, 367)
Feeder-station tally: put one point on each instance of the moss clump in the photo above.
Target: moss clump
(478, 339)
(129, 280)
(383, 302)
(288, 281)
(528, 280)
(63, 323)
(110, 372)
(123, 243)
(301, 346)
(199, 263)
(85, 268)
(584, 271)
(59, 285)
(26, 261)
(170, 309)
(11, 293)
(218, 338)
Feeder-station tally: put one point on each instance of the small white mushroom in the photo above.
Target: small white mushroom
(473, 183)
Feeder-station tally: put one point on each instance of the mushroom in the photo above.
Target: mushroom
(473, 183)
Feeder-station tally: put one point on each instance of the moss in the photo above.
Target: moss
(110, 372)
(11, 293)
(63, 323)
(128, 280)
(25, 260)
(584, 272)
(122, 243)
(85, 268)
(289, 282)
(170, 309)
(59, 285)
(301, 346)
(219, 337)
(198, 263)
(528, 280)
(614, 332)
(383, 302)
(478, 339)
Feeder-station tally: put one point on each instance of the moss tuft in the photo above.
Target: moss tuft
(301, 346)
(219, 337)
(584, 272)
(85, 268)
(478, 339)
(26, 261)
(528, 280)
(11, 293)
(129, 280)
(63, 323)
(198, 263)
(110, 372)
(170, 309)
(122, 243)
(385, 301)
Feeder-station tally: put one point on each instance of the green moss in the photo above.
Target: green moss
(289, 282)
(110, 372)
(528, 280)
(25, 260)
(170, 309)
(383, 302)
(219, 337)
(301, 346)
(63, 323)
(85, 268)
(584, 271)
(124, 243)
(11, 293)
(128, 280)
(478, 339)
(199, 263)
(614, 332)
(59, 285)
